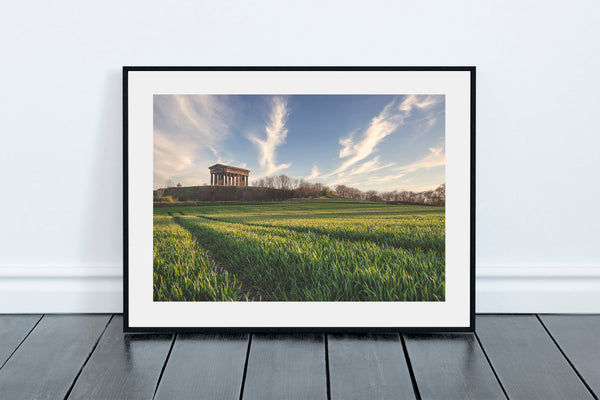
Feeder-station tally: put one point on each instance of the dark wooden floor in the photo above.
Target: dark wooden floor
(510, 356)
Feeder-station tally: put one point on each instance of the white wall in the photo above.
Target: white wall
(537, 134)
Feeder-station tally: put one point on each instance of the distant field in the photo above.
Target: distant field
(309, 250)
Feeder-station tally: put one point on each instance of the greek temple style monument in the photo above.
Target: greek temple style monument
(226, 175)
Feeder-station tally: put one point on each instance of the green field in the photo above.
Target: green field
(307, 250)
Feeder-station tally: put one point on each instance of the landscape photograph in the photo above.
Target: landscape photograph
(324, 198)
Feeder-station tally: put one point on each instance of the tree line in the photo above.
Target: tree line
(302, 188)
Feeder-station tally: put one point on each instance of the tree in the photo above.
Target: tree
(372, 195)
(342, 190)
(282, 182)
(439, 195)
(325, 191)
(179, 184)
(170, 183)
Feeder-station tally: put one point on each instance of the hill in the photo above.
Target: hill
(222, 193)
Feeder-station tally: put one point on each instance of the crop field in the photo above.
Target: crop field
(309, 250)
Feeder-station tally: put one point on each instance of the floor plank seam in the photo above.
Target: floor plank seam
(87, 358)
(162, 371)
(327, 375)
(21, 342)
(246, 366)
(413, 379)
(491, 366)
(566, 358)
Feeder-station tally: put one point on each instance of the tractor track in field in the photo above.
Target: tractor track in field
(221, 267)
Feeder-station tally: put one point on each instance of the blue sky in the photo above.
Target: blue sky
(378, 142)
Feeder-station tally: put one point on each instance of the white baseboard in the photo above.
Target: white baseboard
(46, 289)
(538, 289)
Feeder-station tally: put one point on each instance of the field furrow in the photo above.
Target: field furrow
(420, 232)
(281, 264)
(183, 271)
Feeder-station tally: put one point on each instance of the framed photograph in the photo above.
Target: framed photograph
(299, 198)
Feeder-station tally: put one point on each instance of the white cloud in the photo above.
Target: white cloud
(188, 131)
(347, 145)
(435, 158)
(423, 102)
(174, 160)
(276, 134)
(355, 149)
(370, 166)
(314, 173)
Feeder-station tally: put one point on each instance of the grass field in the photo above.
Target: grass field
(310, 250)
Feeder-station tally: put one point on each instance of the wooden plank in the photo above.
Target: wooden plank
(205, 367)
(526, 360)
(578, 336)
(368, 367)
(123, 366)
(451, 366)
(13, 329)
(286, 367)
(48, 361)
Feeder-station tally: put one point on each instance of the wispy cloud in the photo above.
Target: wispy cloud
(435, 158)
(370, 166)
(355, 149)
(314, 173)
(188, 132)
(276, 134)
(172, 158)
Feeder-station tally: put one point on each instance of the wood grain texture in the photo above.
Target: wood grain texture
(46, 364)
(578, 336)
(526, 360)
(205, 367)
(13, 329)
(368, 367)
(286, 367)
(451, 366)
(123, 366)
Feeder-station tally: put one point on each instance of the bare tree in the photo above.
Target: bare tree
(372, 195)
(282, 182)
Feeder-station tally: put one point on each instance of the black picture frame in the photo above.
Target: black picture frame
(129, 328)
